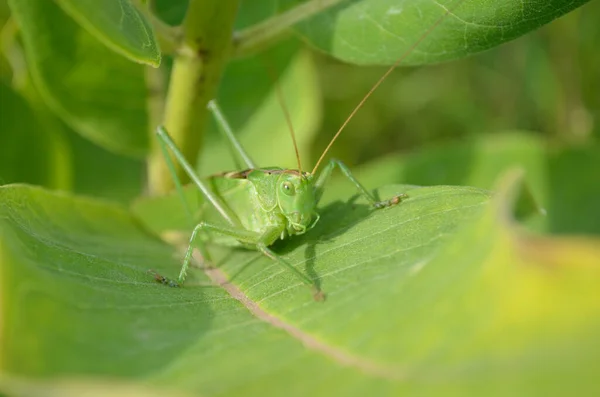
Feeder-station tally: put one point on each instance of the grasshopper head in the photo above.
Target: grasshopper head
(296, 198)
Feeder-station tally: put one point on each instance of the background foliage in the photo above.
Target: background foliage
(462, 289)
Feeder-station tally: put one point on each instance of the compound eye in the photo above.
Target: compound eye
(288, 188)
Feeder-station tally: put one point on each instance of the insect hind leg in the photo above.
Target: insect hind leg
(166, 142)
(234, 144)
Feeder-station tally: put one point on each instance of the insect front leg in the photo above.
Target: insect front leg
(243, 235)
(237, 233)
(326, 173)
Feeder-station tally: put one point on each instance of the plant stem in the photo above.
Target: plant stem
(261, 35)
(156, 83)
(197, 68)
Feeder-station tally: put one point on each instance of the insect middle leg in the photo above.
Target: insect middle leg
(326, 173)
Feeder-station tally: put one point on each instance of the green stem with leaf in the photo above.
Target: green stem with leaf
(198, 64)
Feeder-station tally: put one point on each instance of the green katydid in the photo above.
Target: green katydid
(262, 205)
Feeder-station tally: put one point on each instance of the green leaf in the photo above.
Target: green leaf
(119, 25)
(381, 31)
(100, 173)
(100, 95)
(33, 150)
(78, 248)
(429, 296)
(38, 149)
(27, 387)
(4, 13)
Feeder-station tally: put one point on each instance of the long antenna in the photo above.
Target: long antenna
(382, 78)
(286, 112)
(289, 123)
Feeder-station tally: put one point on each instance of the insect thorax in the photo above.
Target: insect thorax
(270, 198)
